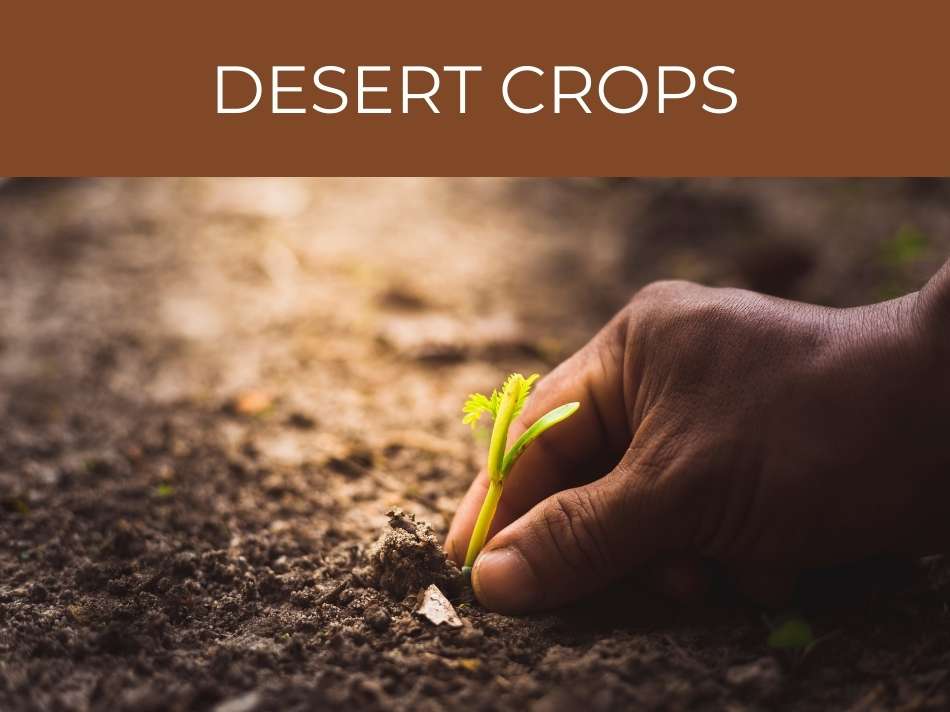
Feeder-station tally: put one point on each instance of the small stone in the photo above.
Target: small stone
(243, 703)
(301, 421)
(762, 677)
(252, 402)
(436, 608)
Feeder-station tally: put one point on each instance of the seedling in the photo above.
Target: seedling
(793, 633)
(503, 407)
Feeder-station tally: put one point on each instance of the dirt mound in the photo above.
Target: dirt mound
(408, 557)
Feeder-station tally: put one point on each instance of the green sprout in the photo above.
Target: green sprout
(503, 407)
(794, 633)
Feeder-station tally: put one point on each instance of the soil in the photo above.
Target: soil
(214, 393)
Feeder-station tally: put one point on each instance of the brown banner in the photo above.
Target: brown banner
(820, 88)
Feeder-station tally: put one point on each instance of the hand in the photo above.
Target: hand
(724, 425)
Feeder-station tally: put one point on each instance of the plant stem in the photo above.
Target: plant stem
(483, 523)
(499, 434)
(496, 457)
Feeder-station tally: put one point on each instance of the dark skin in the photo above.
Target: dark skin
(720, 425)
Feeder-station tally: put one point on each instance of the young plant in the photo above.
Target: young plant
(503, 407)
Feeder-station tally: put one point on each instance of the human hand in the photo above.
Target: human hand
(724, 425)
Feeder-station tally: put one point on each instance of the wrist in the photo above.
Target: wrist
(933, 307)
(932, 331)
(893, 359)
(907, 381)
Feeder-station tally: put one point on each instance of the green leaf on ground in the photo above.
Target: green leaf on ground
(792, 634)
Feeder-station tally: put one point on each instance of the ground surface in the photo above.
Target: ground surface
(212, 392)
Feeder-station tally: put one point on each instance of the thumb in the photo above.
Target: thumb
(576, 542)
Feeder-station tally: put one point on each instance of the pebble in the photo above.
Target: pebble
(436, 608)
(761, 677)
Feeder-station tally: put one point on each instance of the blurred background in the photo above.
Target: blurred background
(369, 308)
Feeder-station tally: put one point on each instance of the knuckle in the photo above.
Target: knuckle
(670, 303)
(575, 531)
(683, 317)
(664, 288)
(687, 300)
(658, 294)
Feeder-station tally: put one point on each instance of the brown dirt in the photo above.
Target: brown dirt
(213, 392)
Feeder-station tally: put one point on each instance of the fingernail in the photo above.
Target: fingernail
(504, 582)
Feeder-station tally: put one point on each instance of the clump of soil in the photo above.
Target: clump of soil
(408, 557)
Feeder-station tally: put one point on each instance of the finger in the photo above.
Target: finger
(576, 542)
(580, 449)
